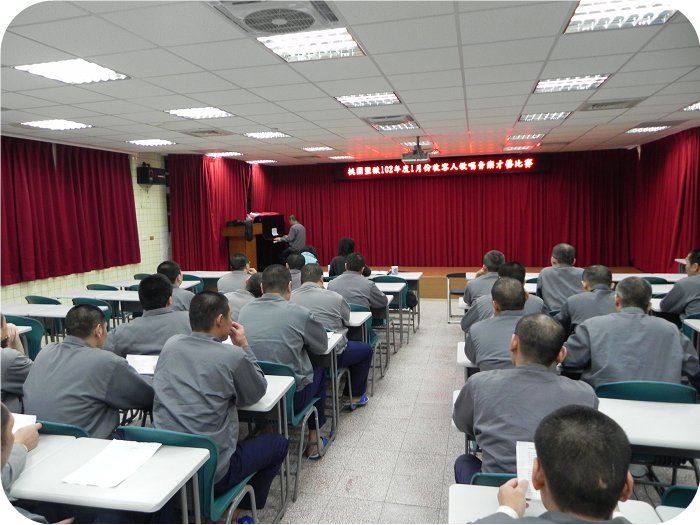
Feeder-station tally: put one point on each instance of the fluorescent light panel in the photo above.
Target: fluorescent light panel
(517, 148)
(555, 85)
(693, 107)
(151, 142)
(597, 15)
(224, 154)
(313, 45)
(199, 113)
(318, 148)
(266, 135)
(342, 157)
(560, 115)
(649, 129)
(265, 161)
(373, 99)
(396, 127)
(420, 143)
(534, 136)
(56, 125)
(75, 71)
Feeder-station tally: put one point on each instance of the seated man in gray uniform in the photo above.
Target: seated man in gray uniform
(630, 345)
(501, 407)
(581, 471)
(560, 281)
(295, 262)
(199, 383)
(236, 279)
(576, 309)
(482, 308)
(147, 334)
(485, 277)
(14, 367)
(355, 288)
(181, 297)
(488, 342)
(684, 297)
(76, 382)
(296, 238)
(240, 298)
(333, 311)
(282, 332)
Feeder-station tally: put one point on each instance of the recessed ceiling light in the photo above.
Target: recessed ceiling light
(648, 129)
(151, 142)
(266, 135)
(75, 71)
(561, 115)
(517, 148)
(413, 144)
(596, 15)
(534, 136)
(199, 113)
(342, 157)
(265, 161)
(373, 99)
(313, 45)
(396, 127)
(693, 107)
(56, 125)
(318, 148)
(224, 154)
(554, 85)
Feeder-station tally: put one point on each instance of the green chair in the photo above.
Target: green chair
(688, 331)
(139, 276)
(531, 280)
(212, 507)
(655, 280)
(117, 312)
(489, 479)
(60, 429)
(134, 288)
(53, 326)
(97, 302)
(400, 304)
(200, 283)
(552, 313)
(454, 292)
(372, 341)
(33, 337)
(678, 496)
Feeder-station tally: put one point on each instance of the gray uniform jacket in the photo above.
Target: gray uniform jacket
(326, 306)
(480, 286)
(630, 346)
(232, 281)
(282, 332)
(684, 297)
(556, 283)
(198, 383)
(181, 299)
(73, 383)
(296, 237)
(356, 289)
(296, 278)
(547, 517)
(488, 342)
(237, 300)
(146, 335)
(501, 407)
(577, 308)
(482, 309)
(14, 369)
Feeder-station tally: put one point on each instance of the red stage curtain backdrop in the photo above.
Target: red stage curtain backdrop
(205, 193)
(453, 221)
(664, 202)
(72, 217)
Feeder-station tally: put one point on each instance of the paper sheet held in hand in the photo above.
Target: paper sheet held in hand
(525, 455)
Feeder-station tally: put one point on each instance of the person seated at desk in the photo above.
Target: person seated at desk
(147, 334)
(355, 288)
(198, 384)
(485, 277)
(488, 342)
(630, 345)
(295, 262)
(181, 298)
(283, 332)
(240, 298)
(14, 367)
(581, 471)
(500, 407)
(76, 382)
(236, 279)
(482, 308)
(684, 297)
(346, 246)
(333, 311)
(597, 280)
(560, 281)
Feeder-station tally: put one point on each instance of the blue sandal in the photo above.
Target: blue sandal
(362, 402)
(318, 454)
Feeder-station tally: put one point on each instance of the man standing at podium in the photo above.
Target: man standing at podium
(296, 238)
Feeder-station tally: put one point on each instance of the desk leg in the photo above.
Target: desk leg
(388, 345)
(417, 292)
(183, 503)
(195, 497)
(335, 401)
(284, 471)
(400, 323)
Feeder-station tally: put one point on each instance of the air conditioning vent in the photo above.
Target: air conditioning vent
(206, 133)
(610, 104)
(325, 12)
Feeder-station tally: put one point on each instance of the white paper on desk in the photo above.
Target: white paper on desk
(22, 420)
(525, 455)
(143, 364)
(118, 461)
(330, 334)
(274, 232)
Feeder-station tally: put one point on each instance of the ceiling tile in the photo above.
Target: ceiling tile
(69, 95)
(370, 12)
(598, 43)
(584, 66)
(165, 102)
(511, 52)
(439, 79)
(289, 92)
(18, 51)
(226, 55)
(192, 82)
(272, 75)
(229, 97)
(689, 56)
(356, 86)
(46, 13)
(674, 36)
(419, 61)
(420, 33)
(335, 69)
(144, 64)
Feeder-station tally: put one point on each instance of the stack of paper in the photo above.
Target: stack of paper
(525, 455)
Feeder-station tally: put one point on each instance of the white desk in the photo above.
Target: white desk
(395, 288)
(57, 311)
(670, 277)
(147, 490)
(332, 348)
(462, 360)
(668, 513)
(413, 281)
(126, 283)
(528, 276)
(88, 294)
(48, 445)
(143, 364)
(656, 304)
(660, 290)
(358, 318)
(468, 503)
(206, 274)
(277, 387)
(681, 265)
(23, 329)
(694, 324)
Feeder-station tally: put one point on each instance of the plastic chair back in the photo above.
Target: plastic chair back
(531, 280)
(368, 322)
(134, 288)
(678, 496)
(61, 429)
(96, 302)
(458, 290)
(688, 331)
(655, 280)
(200, 284)
(33, 337)
(488, 479)
(38, 299)
(404, 291)
(277, 369)
(552, 313)
(102, 287)
(139, 276)
(648, 391)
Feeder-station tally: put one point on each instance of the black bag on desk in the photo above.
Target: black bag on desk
(248, 223)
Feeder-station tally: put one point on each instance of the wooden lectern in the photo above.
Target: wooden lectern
(235, 241)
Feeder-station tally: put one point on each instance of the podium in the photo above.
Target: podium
(235, 242)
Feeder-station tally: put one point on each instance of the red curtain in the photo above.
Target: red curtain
(664, 202)
(453, 221)
(205, 193)
(73, 216)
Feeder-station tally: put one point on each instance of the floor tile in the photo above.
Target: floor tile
(411, 490)
(396, 513)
